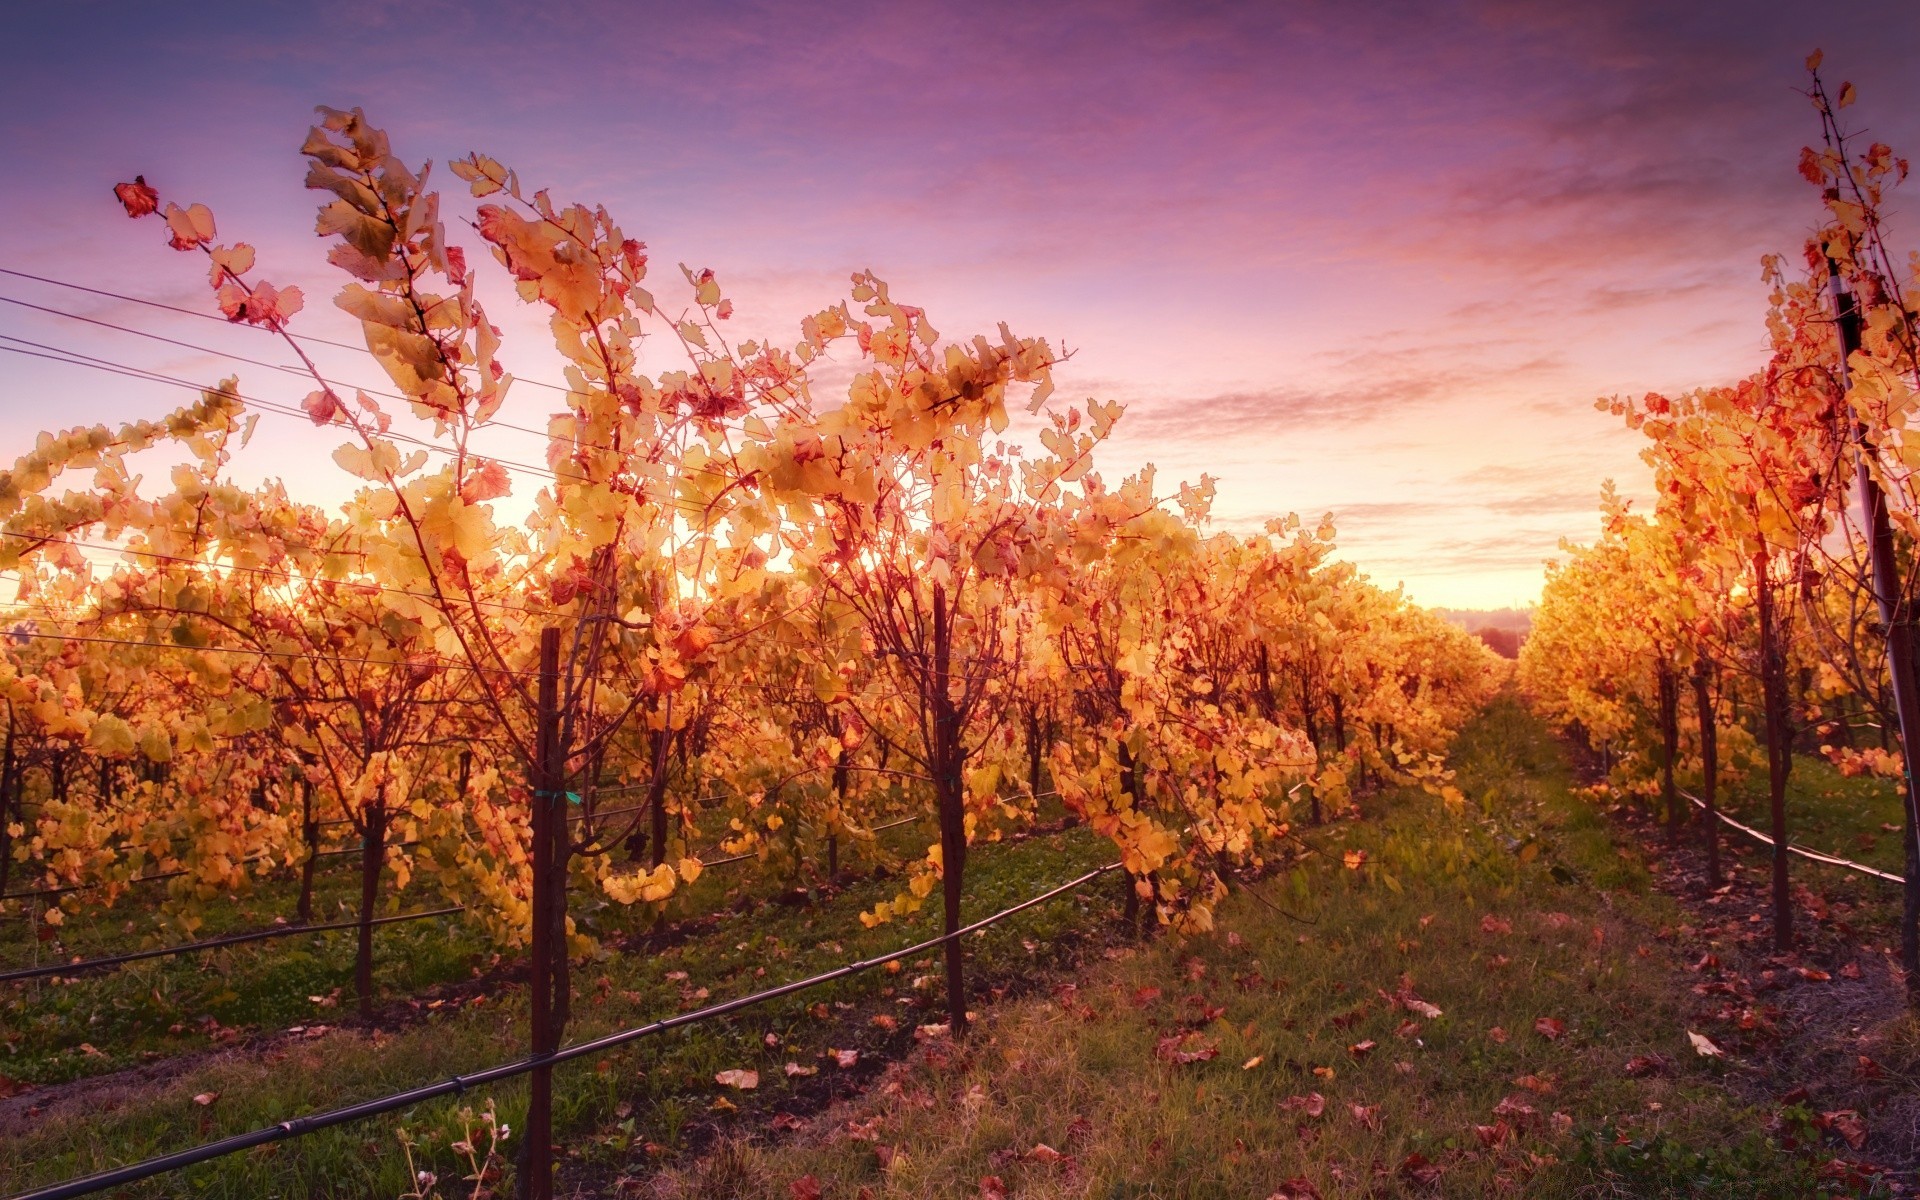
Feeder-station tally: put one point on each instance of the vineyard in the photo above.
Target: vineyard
(809, 775)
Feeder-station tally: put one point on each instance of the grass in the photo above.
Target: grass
(94, 1023)
(1521, 909)
(1848, 817)
(757, 939)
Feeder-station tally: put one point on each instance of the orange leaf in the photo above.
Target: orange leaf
(137, 197)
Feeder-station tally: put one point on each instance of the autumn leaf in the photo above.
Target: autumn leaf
(189, 228)
(137, 197)
(486, 480)
(1847, 1123)
(1362, 1049)
(795, 1070)
(1354, 859)
(322, 406)
(1550, 1028)
(1312, 1104)
(743, 1080)
(1367, 1115)
(845, 1059)
(205, 1098)
(804, 1188)
(1704, 1046)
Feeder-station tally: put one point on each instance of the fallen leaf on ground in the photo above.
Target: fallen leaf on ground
(1704, 1046)
(1312, 1104)
(744, 1080)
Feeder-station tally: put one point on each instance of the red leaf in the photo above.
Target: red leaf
(1362, 1049)
(1550, 1028)
(486, 481)
(321, 406)
(1366, 1114)
(1848, 1125)
(137, 197)
(805, 1188)
(1312, 1104)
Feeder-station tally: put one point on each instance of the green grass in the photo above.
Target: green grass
(1522, 907)
(1519, 907)
(1829, 812)
(668, 1082)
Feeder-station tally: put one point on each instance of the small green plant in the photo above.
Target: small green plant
(479, 1143)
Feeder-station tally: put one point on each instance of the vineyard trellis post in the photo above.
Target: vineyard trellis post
(535, 1180)
(1895, 619)
(1709, 764)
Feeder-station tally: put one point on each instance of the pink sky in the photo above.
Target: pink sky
(1370, 259)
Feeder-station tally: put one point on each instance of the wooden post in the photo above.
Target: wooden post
(310, 835)
(1668, 686)
(536, 1152)
(950, 795)
(373, 857)
(1896, 621)
(7, 772)
(1709, 767)
(1773, 691)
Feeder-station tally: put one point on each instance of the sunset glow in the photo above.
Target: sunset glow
(1374, 262)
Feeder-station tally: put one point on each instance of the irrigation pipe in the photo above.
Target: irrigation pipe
(454, 1085)
(1815, 855)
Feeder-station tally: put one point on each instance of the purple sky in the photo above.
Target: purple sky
(1373, 259)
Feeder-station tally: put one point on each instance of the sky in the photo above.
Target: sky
(1377, 260)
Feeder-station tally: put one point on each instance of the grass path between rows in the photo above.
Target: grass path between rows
(1300, 1054)
(1495, 1000)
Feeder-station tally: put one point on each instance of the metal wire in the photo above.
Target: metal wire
(298, 1126)
(232, 939)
